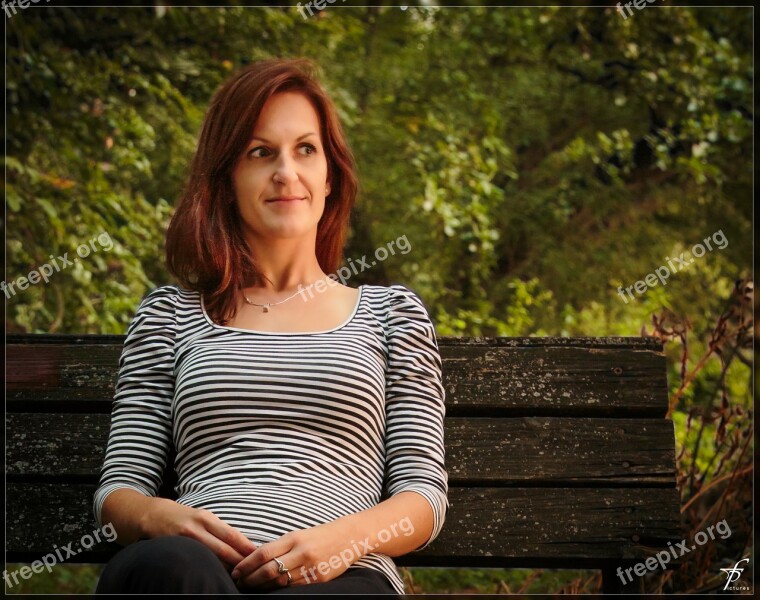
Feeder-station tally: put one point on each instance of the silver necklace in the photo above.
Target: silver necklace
(268, 304)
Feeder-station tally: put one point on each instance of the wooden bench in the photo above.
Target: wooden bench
(558, 451)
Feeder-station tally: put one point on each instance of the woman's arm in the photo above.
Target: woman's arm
(140, 435)
(140, 439)
(125, 509)
(396, 526)
(415, 470)
(136, 516)
(416, 480)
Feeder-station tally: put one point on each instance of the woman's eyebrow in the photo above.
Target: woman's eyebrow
(297, 139)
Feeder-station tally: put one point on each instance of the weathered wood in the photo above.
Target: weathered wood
(483, 379)
(557, 450)
(484, 527)
(547, 380)
(479, 451)
(645, 342)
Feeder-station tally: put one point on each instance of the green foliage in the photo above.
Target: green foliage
(492, 581)
(63, 579)
(566, 152)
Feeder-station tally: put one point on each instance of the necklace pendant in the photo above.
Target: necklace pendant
(266, 308)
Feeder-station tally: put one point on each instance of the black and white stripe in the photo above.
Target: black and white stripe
(281, 431)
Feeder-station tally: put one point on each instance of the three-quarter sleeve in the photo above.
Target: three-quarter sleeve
(141, 429)
(415, 409)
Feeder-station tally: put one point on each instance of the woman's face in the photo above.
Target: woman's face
(284, 158)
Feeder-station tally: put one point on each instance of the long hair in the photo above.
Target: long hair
(206, 250)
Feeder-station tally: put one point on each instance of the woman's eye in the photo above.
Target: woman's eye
(311, 147)
(250, 152)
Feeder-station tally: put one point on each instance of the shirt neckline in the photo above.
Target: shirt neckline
(348, 321)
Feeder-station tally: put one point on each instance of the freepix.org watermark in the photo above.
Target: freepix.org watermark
(346, 272)
(318, 4)
(9, 6)
(46, 270)
(346, 556)
(639, 4)
(662, 272)
(662, 557)
(48, 561)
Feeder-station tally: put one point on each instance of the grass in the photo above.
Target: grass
(82, 579)
(63, 579)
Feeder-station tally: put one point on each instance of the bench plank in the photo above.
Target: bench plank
(532, 526)
(483, 379)
(479, 451)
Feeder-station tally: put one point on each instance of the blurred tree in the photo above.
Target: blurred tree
(536, 159)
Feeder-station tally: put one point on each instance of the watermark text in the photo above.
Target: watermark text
(48, 561)
(662, 272)
(662, 557)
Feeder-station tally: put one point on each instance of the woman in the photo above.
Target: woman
(307, 416)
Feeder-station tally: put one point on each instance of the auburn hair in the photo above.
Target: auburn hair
(206, 250)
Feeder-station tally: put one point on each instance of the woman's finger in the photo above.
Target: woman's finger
(263, 555)
(226, 553)
(280, 581)
(230, 536)
(268, 573)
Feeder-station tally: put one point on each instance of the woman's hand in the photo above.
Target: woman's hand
(168, 517)
(329, 546)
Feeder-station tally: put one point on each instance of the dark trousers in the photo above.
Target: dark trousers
(177, 564)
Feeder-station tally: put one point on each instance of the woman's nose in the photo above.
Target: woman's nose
(285, 171)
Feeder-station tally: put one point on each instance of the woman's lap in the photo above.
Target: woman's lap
(179, 564)
(165, 564)
(360, 580)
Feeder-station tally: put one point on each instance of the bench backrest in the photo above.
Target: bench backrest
(557, 449)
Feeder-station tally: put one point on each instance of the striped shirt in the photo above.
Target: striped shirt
(276, 432)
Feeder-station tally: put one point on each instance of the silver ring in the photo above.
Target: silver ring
(281, 568)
